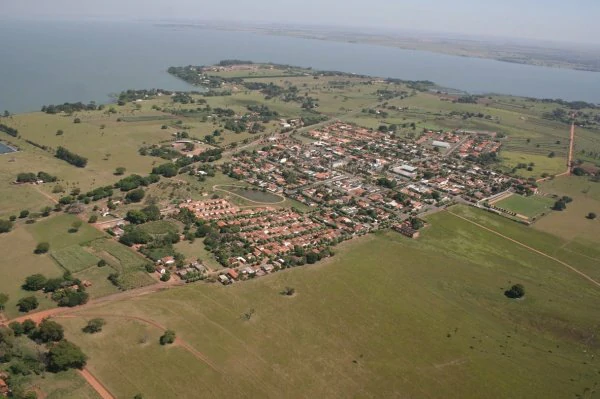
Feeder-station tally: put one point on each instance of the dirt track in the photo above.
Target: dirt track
(97, 385)
(530, 249)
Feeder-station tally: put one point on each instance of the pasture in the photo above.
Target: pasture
(386, 317)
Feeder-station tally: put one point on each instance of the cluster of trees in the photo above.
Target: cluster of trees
(133, 95)
(66, 290)
(30, 177)
(140, 216)
(71, 157)
(235, 125)
(468, 99)
(485, 158)
(21, 359)
(69, 108)
(164, 151)
(385, 182)
(561, 203)
(9, 130)
(135, 181)
(264, 112)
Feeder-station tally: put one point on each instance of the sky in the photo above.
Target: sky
(552, 20)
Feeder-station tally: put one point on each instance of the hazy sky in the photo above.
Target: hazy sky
(574, 21)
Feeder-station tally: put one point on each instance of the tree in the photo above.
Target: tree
(17, 328)
(28, 326)
(50, 331)
(5, 226)
(135, 195)
(93, 219)
(94, 326)
(591, 216)
(101, 263)
(166, 276)
(66, 355)
(77, 120)
(35, 282)
(42, 248)
(167, 338)
(136, 216)
(288, 291)
(23, 214)
(515, 292)
(3, 299)
(120, 171)
(27, 303)
(560, 205)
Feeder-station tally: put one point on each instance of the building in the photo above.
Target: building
(440, 144)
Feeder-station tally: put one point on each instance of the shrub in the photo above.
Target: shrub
(94, 326)
(42, 248)
(93, 219)
(167, 338)
(135, 195)
(5, 226)
(515, 292)
(591, 216)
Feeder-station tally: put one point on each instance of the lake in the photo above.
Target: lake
(55, 62)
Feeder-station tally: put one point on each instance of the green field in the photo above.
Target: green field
(386, 317)
(74, 258)
(252, 195)
(160, 227)
(532, 206)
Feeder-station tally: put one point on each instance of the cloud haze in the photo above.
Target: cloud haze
(554, 20)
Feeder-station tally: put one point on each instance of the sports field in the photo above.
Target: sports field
(532, 206)
(386, 317)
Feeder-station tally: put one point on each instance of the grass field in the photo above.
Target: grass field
(532, 206)
(387, 317)
(160, 227)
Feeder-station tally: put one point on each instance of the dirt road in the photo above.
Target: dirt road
(96, 384)
(530, 249)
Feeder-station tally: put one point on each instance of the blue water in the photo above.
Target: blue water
(55, 62)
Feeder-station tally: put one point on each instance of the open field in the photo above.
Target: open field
(386, 317)
(74, 258)
(532, 206)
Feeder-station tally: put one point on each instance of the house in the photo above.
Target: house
(3, 388)
(223, 279)
(267, 268)
(160, 269)
(232, 274)
(167, 261)
(407, 231)
(440, 144)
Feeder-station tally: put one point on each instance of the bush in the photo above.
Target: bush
(166, 277)
(93, 219)
(27, 304)
(167, 338)
(94, 326)
(515, 292)
(42, 248)
(120, 171)
(101, 263)
(5, 226)
(591, 216)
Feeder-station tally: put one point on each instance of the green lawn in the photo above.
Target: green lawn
(532, 206)
(160, 227)
(386, 317)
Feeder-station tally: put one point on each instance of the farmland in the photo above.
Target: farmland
(431, 321)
